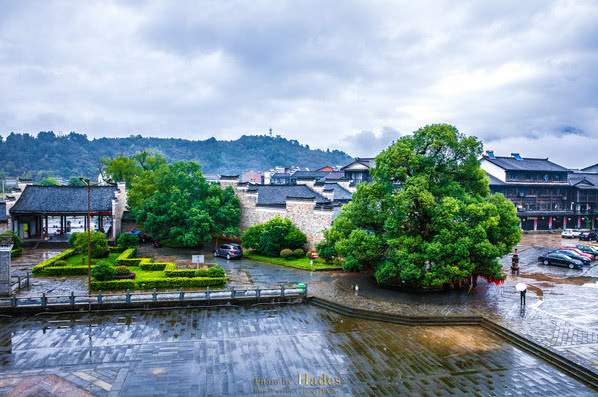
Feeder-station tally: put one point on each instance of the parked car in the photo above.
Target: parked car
(578, 252)
(588, 249)
(574, 255)
(559, 259)
(229, 251)
(570, 233)
(588, 236)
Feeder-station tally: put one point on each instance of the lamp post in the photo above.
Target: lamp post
(87, 183)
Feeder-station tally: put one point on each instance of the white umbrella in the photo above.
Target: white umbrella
(521, 287)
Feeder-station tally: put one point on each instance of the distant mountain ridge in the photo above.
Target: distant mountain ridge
(48, 154)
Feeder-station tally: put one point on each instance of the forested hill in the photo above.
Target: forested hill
(74, 154)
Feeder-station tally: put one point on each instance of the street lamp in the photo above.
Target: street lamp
(87, 183)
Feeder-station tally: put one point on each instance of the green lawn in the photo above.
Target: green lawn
(81, 260)
(297, 263)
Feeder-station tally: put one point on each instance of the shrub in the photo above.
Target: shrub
(181, 273)
(298, 253)
(16, 252)
(58, 263)
(40, 267)
(99, 244)
(157, 266)
(16, 241)
(180, 282)
(103, 271)
(271, 237)
(112, 285)
(286, 253)
(127, 240)
(125, 256)
(326, 251)
(122, 271)
(216, 271)
(67, 271)
(73, 238)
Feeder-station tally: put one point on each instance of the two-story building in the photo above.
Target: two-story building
(547, 195)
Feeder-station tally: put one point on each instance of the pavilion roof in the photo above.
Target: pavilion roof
(63, 200)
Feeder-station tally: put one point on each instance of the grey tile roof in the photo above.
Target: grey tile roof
(592, 168)
(525, 164)
(309, 174)
(3, 214)
(63, 199)
(367, 161)
(276, 195)
(340, 193)
(590, 177)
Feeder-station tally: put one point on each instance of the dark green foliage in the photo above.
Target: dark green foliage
(75, 181)
(74, 154)
(113, 285)
(99, 244)
(67, 271)
(286, 253)
(121, 271)
(155, 266)
(127, 240)
(175, 203)
(103, 271)
(73, 238)
(59, 263)
(298, 252)
(42, 266)
(180, 282)
(216, 271)
(16, 252)
(427, 219)
(48, 181)
(16, 241)
(271, 237)
(326, 251)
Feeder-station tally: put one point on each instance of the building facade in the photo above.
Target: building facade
(547, 196)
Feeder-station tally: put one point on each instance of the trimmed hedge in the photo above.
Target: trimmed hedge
(157, 266)
(40, 267)
(180, 282)
(16, 252)
(112, 285)
(66, 271)
(115, 249)
(180, 273)
(212, 272)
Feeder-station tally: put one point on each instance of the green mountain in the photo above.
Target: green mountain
(48, 154)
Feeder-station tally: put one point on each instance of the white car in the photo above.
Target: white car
(570, 233)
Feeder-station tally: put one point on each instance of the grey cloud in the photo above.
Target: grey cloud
(325, 73)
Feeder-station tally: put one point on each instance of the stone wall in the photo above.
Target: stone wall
(5, 289)
(301, 212)
(119, 206)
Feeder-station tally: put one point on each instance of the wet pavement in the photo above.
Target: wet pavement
(266, 350)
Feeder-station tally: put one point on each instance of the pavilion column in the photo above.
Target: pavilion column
(46, 227)
(536, 224)
(549, 223)
(579, 222)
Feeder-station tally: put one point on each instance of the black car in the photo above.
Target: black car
(574, 255)
(558, 259)
(588, 249)
(588, 236)
(229, 251)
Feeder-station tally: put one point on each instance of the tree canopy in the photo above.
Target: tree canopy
(176, 205)
(271, 237)
(428, 217)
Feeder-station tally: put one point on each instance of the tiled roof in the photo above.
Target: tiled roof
(63, 199)
(576, 177)
(367, 161)
(592, 168)
(3, 214)
(340, 193)
(276, 195)
(525, 164)
(310, 174)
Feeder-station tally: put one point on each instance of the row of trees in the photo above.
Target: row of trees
(174, 202)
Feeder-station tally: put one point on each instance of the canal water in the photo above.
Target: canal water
(262, 350)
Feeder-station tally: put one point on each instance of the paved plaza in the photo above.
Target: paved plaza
(561, 314)
(262, 351)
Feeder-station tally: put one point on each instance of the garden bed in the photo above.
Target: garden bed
(302, 263)
(148, 274)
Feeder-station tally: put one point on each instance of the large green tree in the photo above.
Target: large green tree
(428, 217)
(176, 204)
(124, 168)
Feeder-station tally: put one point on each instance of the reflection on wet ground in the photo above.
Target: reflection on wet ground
(268, 350)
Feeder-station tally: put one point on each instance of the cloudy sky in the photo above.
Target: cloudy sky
(521, 75)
